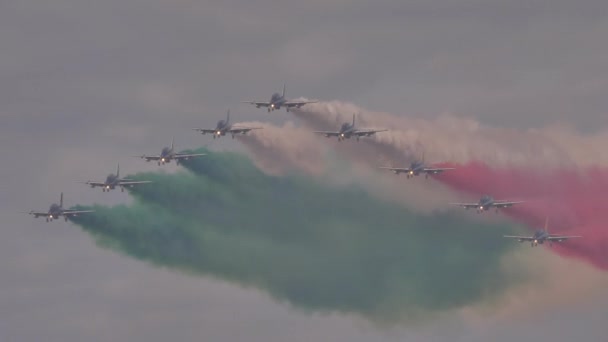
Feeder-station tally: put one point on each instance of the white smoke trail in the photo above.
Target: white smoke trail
(280, 150)
(277, 150)
(449, 138)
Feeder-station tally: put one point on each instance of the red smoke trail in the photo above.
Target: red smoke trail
(576, 202)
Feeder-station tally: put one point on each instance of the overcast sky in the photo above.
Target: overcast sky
(87, 84)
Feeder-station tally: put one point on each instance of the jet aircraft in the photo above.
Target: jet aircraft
(277, 101)
(114, 180)
(57, 210)
(167, 154)
(486, 202)
(416, 168)
(542, 235)
(348, 130)
(224, 127)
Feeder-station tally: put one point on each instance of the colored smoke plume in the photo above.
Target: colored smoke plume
(318, 247)
(461, 140)
(574, 200)
(278, 150)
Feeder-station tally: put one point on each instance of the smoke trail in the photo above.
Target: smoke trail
(462, 140)
(465, 140)
(574, 200)
(318, 247)
(280, 150)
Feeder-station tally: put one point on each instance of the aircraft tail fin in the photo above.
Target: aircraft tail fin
(61, 200)
(172, 142)
(547, 224)
(284, 87)
(353, 119)
(228, 116)
(118, 171)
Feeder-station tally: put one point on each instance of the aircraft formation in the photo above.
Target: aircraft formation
(346, 131)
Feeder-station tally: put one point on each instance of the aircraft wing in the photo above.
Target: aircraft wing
(179, 156)
(505, 204)
(38, 213)
(205, 131)
(69, 213)
(148, 158)
(130, 182)
(520, 238)
(297, 104)
(367, 132)
(436, 170)
(237, 130)
(466, 205)
(258, 104)
(328, 133)
(396, 170)
(94, 184)
(559, 238)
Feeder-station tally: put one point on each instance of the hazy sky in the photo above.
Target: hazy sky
(85, 84)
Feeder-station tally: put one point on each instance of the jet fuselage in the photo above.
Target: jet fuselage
(166, 155)
(111, 181)
(416, 168)
(222, 127)
(55, 211)
(485, 203)
(346, 130)
(276, 101)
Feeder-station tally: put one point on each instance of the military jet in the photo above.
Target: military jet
(57, 210)
(542, 235)
(167, 154)
(416, 168)
(486, 202)
(348, 130)
(114, 180)
(277, 101)
(224, 127)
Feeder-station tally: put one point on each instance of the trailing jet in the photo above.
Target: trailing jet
(348, 130)
(277, 101)
(416, 168)
(57, 210)
(224, 127)
(486, 203)
(542, 235)
(114, 180)
(167, 154)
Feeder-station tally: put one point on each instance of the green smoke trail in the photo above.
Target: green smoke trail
(318, 247)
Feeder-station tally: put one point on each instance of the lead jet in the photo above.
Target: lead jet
(277, 101)
(486, 202)
(224, 127)
(57, 210)
(167, 154)
(113, 180)
(542, 235)
(348, 130)
(417, 168)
